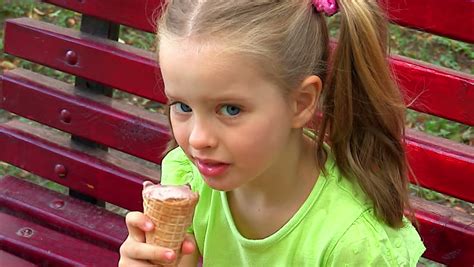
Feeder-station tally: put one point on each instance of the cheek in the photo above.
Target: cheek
(179, 132)
(260, 141)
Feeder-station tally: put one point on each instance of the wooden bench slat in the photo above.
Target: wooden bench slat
(139, 14)
(427, 15)
(447, 233)
(451, 236)
(63, 213)
(439, 164)
(435, 90)
(436, 164)
(7, 259)
(430, 89)
(110, 122)
(442, 165)
(453, 18)
(98, 174)
(47, 247)
(108, 62)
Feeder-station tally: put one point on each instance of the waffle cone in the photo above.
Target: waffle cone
(171, 218)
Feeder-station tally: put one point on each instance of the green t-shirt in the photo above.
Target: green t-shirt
(335, 226)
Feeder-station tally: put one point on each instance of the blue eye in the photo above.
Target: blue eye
(181, 107)
(230, 110)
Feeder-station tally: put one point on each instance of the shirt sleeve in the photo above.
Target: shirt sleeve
(369, 243)
(176, 168)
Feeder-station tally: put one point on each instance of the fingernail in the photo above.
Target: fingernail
(148, 225)
(169, 255)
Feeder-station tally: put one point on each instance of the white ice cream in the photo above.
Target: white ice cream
(164, 192)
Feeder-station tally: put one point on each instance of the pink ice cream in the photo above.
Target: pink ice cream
(165, 192)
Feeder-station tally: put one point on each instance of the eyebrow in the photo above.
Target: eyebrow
(229, 97)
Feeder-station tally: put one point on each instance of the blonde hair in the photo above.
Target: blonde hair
(363, 111)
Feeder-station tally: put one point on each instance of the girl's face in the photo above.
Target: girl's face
(232, 122)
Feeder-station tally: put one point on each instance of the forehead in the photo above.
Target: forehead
(213, 56)
(187, 64)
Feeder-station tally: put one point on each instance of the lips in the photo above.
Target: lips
(211, 168)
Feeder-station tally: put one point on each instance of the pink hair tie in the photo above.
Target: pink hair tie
(329, 7)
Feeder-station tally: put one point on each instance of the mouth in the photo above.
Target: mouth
(211, 168)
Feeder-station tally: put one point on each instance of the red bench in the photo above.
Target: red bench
(105, 147)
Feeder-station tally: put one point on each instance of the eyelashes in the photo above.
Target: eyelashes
(180, 107)
(228, 110)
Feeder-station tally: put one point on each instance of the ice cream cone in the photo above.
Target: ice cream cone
(171, 214)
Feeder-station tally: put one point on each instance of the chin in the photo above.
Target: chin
(218, 183)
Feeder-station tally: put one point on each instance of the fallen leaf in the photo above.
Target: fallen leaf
(459, 209)
(39, 12)
(7, 65)
(70, 22)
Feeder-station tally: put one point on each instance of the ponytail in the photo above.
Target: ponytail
(362, 108)
(364, 111)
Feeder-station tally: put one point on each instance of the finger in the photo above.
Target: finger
(137, 224)
(189, 244)
(135, 263)
(143, 251)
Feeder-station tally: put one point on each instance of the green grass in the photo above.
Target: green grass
(139, 39)
(40, 11)
(440, 127)
(430, 48)
(434, 49)
(411, 43)
(17, 172)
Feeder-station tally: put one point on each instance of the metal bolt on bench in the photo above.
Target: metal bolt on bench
(43, 227)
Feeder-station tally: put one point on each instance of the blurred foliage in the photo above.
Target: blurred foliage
(430, 48)
(139, 39)
(43, 12)
(434, 49)
(17, 172)
(440, 127)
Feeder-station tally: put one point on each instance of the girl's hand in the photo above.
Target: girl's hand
(135, 252)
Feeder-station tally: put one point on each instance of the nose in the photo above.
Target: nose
(202, 135)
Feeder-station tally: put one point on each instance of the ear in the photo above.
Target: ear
(304, 100)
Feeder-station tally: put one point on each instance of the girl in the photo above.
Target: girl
(244, 80)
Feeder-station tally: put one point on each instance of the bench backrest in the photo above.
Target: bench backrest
(99, 134)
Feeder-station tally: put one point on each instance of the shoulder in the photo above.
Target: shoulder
(177, 169)
(361, 238)
(369, 242)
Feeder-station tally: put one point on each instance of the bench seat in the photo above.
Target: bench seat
(62, 213)
(47, 247)
(8, 259)
(450, 232)
(102, 148)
